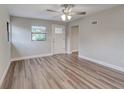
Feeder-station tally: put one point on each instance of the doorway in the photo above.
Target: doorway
(58, 39)
(74, 39)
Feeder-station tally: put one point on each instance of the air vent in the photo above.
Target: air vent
(95, 22)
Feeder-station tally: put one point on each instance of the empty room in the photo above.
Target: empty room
(61, 46)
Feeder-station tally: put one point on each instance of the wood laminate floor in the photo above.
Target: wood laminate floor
(61, 71)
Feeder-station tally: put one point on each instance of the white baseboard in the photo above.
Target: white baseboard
(74, 50)
(103, 63)
(29, 57)
(4, 74)
(68, 52)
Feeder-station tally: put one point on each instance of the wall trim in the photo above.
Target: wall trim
(29, 57)
(69, 52)
(103, 63)
(75, 50)
(4, 74)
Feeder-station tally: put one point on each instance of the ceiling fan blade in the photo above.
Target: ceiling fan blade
(77, 13)
(51, 10)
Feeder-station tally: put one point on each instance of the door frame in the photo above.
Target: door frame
(71, 38)
(69, 49)
(52, 37)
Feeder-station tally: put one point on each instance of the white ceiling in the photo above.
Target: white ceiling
(39, 10)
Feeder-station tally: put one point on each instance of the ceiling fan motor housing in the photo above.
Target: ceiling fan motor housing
(67, 8)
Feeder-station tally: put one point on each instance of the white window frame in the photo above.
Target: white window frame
(39, 33)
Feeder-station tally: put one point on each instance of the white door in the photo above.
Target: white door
(58, 39)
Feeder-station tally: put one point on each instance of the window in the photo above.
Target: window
(38, 33)
(58, 30)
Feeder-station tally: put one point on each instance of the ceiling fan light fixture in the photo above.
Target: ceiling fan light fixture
(63, 17)
(69, 17)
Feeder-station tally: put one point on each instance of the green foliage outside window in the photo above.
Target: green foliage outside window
(38, 33)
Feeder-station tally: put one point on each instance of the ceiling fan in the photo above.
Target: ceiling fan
(66, 12)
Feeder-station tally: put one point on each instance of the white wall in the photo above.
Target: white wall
(4, 44)
(74, 38)
(103, 41)
(22, 46)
